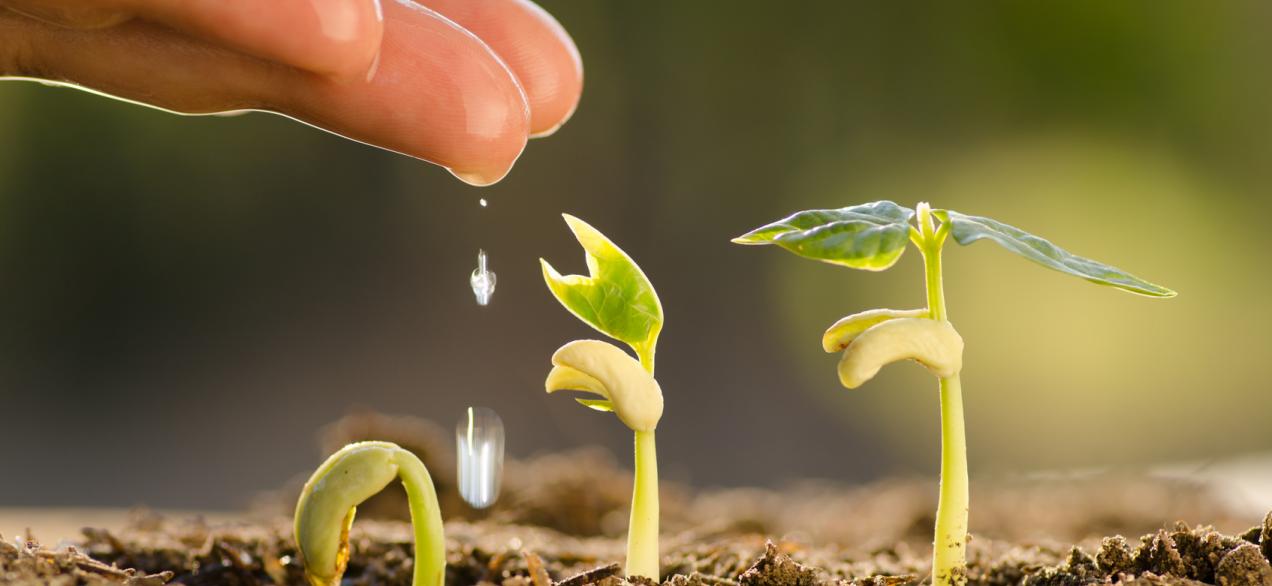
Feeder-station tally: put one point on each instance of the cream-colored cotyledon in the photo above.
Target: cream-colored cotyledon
(889, 338)
(604, 369)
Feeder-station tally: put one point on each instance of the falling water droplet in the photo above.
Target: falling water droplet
(482, 201)
(482, 280)
(479, 443)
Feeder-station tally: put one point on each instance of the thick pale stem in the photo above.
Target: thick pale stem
(642, 533)
(949, 553)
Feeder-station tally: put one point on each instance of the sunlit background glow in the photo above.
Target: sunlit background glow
(185, 301)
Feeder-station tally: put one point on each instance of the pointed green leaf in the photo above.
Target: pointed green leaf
(878, 212)
(616, 297)
(869, 236)
(597, 404)
(968, 229)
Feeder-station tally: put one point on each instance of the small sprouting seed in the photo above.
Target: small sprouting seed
(330, 499)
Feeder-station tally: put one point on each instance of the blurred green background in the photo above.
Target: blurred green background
(184, 301)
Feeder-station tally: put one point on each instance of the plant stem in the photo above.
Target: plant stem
(934, 282)
(949, 556)
(642, 532)
(426, 521)
(645, 352)
(949, 553)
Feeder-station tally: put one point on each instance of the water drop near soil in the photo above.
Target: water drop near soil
(479, 444)
(482, 280)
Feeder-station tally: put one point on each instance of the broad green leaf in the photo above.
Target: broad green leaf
(615, 297)
(968, 229)
(878, 212)
(869, 236)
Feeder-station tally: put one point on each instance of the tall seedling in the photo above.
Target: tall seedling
(872, 237)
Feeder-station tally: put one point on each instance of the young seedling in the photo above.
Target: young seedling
(349, 477)
(618, 300)
(872, 237)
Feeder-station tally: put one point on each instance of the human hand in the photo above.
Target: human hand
(460, 83)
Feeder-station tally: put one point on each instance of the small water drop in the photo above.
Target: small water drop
(479, 444)
(482, 280)
(482, 201)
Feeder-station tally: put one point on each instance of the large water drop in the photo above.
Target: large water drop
(482, 280)
(479, 441)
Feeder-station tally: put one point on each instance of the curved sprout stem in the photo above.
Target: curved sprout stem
(329, 501)
(949, 553)
(426, 521)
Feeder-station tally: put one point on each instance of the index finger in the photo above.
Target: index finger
(332, 37)
(339, 38)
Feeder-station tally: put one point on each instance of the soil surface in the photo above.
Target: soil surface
(562, 518)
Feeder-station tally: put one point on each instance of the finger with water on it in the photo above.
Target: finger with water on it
(440, 94)
(535, 47)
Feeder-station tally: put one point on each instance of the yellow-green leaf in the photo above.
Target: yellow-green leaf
(615, 297)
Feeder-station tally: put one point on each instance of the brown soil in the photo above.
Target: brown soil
(561, 520)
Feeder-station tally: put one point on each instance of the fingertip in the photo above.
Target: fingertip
(440, 95)
(556, 85)
(484, 161)
(535, 47)
(546, 132)
(483, 177)
(571, 105)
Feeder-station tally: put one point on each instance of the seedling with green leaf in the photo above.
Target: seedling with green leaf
(618, 300)
(329, 500)
(872, 237)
